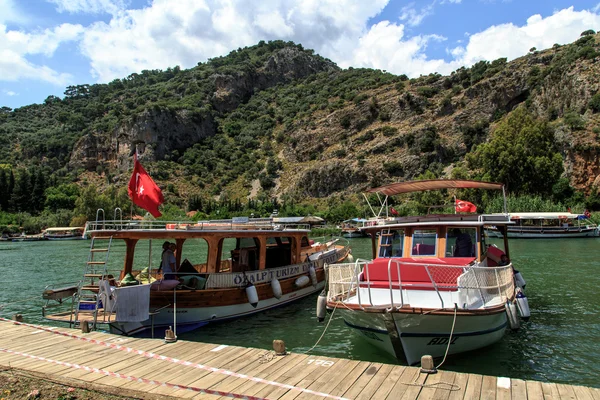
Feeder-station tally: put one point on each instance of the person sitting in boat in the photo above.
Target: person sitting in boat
(168, 264)
(463, 246)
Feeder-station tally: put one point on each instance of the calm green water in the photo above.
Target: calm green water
(558, 344)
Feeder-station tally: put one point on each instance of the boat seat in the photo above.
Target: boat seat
(416, 276)
(408, 285)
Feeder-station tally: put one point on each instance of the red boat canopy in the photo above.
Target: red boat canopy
(433, 184)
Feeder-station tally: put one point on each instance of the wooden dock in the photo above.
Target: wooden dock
(153, 369)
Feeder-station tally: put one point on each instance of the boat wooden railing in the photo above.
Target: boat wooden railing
(471, 286)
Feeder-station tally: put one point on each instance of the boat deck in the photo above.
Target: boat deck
(151, 368)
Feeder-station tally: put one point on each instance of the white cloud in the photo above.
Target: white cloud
(189, 31)
(9, 92)
(15, 46)
(184, 32)
(9, 12)
(384, 47)
(513, 41)
(89, 6)
(596, 8)
(412, 17)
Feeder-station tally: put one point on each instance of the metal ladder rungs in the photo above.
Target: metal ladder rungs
(98, 250)
(93, 275)
(96, 262)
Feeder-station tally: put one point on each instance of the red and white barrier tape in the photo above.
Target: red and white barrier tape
(133, 378)
(177, 361)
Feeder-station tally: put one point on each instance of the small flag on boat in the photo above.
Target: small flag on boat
(393, 211)
(586, 214)
(465, 206)
(143, 191)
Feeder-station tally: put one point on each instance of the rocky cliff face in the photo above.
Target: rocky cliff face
(386, 133)
(158, 131)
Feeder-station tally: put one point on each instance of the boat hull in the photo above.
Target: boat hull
(189, 318)
(409, 336)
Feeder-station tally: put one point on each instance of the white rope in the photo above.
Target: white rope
(324, 330)
(449, 339)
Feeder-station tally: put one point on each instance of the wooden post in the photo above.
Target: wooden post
(279, 347)
(85, 327)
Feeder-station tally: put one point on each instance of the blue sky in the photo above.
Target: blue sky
(46, 45)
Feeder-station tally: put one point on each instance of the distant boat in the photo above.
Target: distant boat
(28, 238)
(545, 225)
(67, 233)
(351, 227)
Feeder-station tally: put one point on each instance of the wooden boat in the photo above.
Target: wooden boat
(424, 292)
(241, 266)
(28, 238)
(547, 225)
(351, 227)
(67, 233)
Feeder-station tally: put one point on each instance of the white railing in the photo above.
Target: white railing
(229, 224)
(484, 286)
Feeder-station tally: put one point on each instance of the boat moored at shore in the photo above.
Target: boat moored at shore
(434, 286)
(249, 265)
(64, 233)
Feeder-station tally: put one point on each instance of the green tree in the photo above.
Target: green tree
(62, 197)
(4, 197)
(521, 153)
(21, 195)
(38, 183)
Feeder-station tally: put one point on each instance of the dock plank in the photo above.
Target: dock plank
(550, 391)
(386, 386)
(488, 387)
(566, 392)
(534, 391)
(256, 368)
(273, 372)
(445, 386)
(460, 386)
(474, 383)
(518, 388)
(583, 393)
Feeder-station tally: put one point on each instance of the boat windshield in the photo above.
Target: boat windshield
(424, 242)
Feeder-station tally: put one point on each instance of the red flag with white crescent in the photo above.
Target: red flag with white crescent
(465, 206)
(143, 191)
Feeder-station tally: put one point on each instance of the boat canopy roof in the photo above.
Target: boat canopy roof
(64, 229)
(433, 184)
(545, 215)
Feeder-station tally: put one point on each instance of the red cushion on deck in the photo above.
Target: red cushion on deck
(377, 270)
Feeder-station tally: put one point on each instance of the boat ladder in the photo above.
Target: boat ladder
(88, 294)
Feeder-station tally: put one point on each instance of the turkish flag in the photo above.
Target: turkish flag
(465, 206)
(143, 191)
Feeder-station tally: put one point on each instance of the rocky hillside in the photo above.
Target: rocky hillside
(279, 121)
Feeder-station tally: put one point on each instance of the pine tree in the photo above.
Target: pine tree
(21, 196)
(38, 182)
(3, 190)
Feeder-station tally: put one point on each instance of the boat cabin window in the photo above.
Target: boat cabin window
(424, 242)
(279, 252)
(461, 242)
(195, 251)
(241, 253)
(391, 243)
(304, 242)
